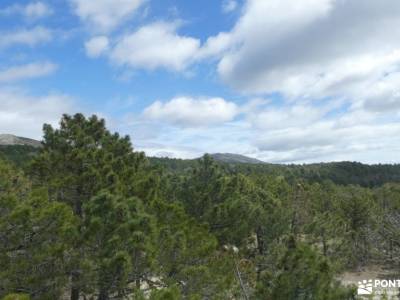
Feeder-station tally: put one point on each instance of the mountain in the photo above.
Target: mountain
(12, 140)
(235, 158)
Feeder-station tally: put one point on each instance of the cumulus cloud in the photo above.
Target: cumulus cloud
(190, 112)
(105, 15)
(28, 37)
(294, 132)
(157, 45)
(312, 48)
(335, 65)
(325, 132)
(216, 46)
(96, 46)
(325, 141)
(31, 11)
(23, 114)
(28, 71)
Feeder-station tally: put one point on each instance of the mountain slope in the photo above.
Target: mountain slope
(12, 140)
(235, 158)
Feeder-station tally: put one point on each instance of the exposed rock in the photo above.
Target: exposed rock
(235, 158)
(9, 139)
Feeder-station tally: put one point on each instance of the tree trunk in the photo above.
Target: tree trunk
(324, 245)
(260, 249)
(103, 295)
(75, 291)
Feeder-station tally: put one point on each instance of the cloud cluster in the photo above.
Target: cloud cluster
(330, 67)
(336, 67)
(156, 45)
(153, 46)
(302, 49)
(292, 133)
(313, 48)
(105, 15)
(190, 112)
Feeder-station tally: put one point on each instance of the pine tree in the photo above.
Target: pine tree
(223, 202)
(188, 256)
(119, 236)
(35, 239)
(301, 274)
(79, 160)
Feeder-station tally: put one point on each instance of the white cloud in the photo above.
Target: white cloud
(28, 71)
(329, 132)
(313, 49)
(216, 45)
(96, 46)
(336, 66)
(190, 112)
(105, 15)
(325, 141)
(24, 115)
(286, 116)
(31, 11)
(229, 6)
(173, 140)
(29, 37)
(170, 151)
(156, 45)
(295, 132)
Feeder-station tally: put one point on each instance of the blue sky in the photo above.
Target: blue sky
(279, 80)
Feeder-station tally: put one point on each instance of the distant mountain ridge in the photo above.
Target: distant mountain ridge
(21, 150)
(235, 158)
(12, 140)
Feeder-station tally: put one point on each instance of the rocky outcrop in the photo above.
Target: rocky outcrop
(9, 139)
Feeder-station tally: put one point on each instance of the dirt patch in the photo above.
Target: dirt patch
(371, 274)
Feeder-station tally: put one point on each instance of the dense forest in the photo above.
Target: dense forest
(87, 217)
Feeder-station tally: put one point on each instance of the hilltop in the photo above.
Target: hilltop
(12, 140)
(235, 158)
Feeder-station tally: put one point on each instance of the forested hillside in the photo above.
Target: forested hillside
(343, 173)
(18, 154)
(87, 217)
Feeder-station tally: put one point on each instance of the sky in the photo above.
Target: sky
(284, 81)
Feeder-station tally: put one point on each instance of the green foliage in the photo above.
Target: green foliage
(301, 274)
(357, 211)
(20, 155)
(187, 253)
(118, 235)
(16, 297)
(35, 237)
(340, 173)
(166, 294)
(77, 162)
(82, 158)
(96, 218)
(220, 201)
